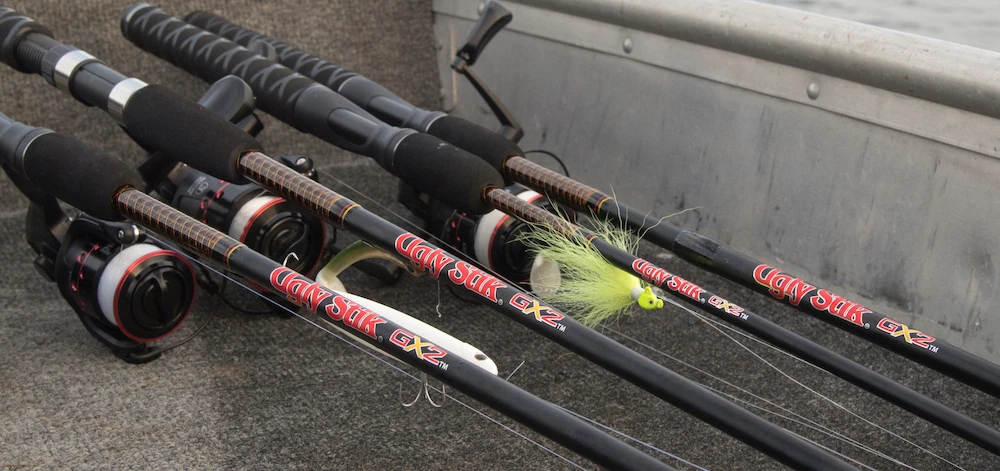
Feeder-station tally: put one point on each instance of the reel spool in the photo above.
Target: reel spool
(493, 239)
(265, 223)
(127, 292)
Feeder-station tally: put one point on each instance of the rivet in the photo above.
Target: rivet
(627, 45)
(812, 90)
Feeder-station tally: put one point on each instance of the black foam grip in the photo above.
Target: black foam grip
(481, 142)
(445, 172)
(321, 71)
(211, 57)
(81, 175)
(164, 121)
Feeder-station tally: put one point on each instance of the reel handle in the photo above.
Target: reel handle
(493, 19)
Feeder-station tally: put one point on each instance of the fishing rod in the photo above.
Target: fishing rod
(691, 246)
(211, 56)
(157, 116)
(98, 183)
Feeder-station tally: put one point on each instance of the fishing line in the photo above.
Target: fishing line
(807, 421)
(550, 154)
(476, 262)
(879, 427)
(848, 458)
(849, 441)
(371, 354)
(366, 351)
(211, 316)
(647, 445)
(807, 388)
(233, 306)
(511, 375)
(437, 239)
(832, 434)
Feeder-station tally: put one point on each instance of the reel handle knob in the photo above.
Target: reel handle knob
(494, 18)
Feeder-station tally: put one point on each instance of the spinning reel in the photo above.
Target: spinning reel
(126, 291)
(493, 239)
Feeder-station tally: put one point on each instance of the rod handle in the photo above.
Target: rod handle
(79, 174)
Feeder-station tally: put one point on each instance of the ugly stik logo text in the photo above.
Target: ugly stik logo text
(426, 257)
(660, 277)
(782, 285)
(304, 292)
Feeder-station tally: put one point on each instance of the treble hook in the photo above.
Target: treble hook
(290, 255)
(426, 392)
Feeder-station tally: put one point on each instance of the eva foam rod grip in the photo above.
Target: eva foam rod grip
(81, 175)
(490, 146)
(164, 121)
(445, 172)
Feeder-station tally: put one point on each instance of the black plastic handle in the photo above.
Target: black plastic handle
(494, 148)
(59, 165)
(330, 75)
(494, 18)
(13, 27)
(287, 95)
(367, 94)
(440, 169)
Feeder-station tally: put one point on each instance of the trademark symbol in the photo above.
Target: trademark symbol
(443, 366)
(379, 338)
(867, 325)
